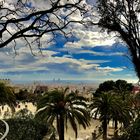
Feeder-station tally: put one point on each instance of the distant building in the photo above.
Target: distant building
(40, 89)
(136, 89)
(7, 82)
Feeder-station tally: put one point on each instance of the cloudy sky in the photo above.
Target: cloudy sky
(87, 55)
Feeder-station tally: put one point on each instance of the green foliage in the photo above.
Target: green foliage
(119, 87)
(7, 96)
(23, 114)
(62, 106)
(26, 96)
(132, 132)
(122, 18)
(123, 86)
(111, 107)
(105, 87)
(136, 103)
(107, 105)
(24, 127)
(22, 95)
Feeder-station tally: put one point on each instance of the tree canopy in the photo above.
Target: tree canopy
(106, 86)
(120, 87)
(25, 128)
(123, 18)
(132, 132)
(7, 96)
(110, 107)
(64, 107)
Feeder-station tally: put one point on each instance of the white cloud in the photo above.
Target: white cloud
(25, 62)
(100, 53)
(90, 39)
(109, 69)
(75, 50)
(81, 63)
(50, 62)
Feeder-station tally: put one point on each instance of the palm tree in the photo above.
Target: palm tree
(108, 106)
(7, 96)
(122, 114)
(62, 106)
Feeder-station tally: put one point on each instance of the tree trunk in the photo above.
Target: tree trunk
(104, 125)
(60, 127)
(136, 62)
(116, 129)
(134, 48)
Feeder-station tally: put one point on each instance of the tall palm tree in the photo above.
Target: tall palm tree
(62, 106)
(109, 107)
(122, 114)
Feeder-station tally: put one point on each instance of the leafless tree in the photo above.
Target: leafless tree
(23, 20)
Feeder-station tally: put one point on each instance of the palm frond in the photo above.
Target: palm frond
(73, 123)
(59, 102)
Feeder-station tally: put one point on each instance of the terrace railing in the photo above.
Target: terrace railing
(6, 130)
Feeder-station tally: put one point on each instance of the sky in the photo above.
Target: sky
(88, 55)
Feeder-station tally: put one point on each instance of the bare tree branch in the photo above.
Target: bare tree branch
(26, 21)
(122, 17)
